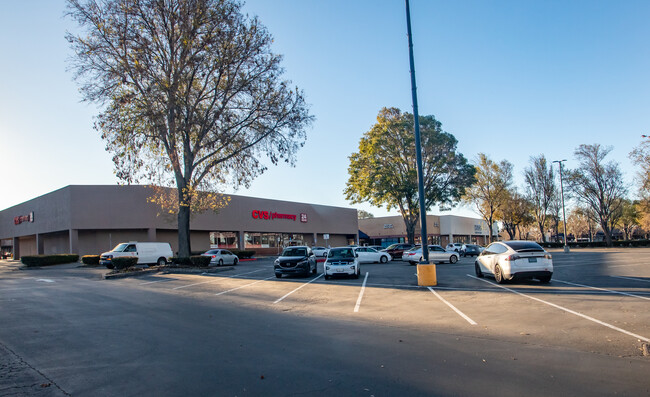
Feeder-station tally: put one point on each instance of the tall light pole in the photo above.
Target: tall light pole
(418, 146)
(566, 247)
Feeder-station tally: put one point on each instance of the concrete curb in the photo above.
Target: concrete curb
(178, 270)
(130, 274)
(191, 270)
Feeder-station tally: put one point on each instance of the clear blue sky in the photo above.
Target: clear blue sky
(513, 79)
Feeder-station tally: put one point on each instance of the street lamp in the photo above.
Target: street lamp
(566, 247)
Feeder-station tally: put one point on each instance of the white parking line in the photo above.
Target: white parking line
(281, 299)
(602, 289)
(632, 278)
(243, 286)
(363, 288)
(643, 338)
(469, 320)
(216, 279)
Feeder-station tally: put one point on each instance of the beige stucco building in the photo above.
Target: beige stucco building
(88, 220)
(441, 229)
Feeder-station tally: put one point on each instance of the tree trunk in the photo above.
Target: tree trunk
(184, 247)
(541, 230)
(410, 228)
(608, 233)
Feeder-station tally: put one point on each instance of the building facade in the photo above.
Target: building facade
(88, 220)
(441, 229)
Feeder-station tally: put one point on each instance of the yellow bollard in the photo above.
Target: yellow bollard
(427, 275)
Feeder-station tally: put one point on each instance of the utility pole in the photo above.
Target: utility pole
(418, 146)
(566, 247)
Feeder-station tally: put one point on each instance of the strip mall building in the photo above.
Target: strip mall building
(88, 220)
(441, 229)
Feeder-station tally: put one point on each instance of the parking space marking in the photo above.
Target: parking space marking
(602, 289)
(363, 288)
(469, 320)
(615, 328)
(243, 286)
(216, 279)
(632, 278)
(311, 281)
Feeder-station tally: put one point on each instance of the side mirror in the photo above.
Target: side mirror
(356, 255)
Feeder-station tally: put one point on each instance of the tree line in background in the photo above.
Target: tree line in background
(597, 200)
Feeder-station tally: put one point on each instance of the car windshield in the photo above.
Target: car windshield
(120, 247)
(294, 252)
(524, 246)
(392, 246)
(342, 253)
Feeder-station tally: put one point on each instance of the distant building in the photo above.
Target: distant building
(88, 220)
(441, 229)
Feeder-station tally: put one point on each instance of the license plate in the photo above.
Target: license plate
(532, 260)
(340, 270)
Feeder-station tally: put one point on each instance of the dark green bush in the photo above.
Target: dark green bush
(200, 261)
(90, 259)
(124, 262)
(48, 260)
(192, 261)
(181, 261)
(243, 254)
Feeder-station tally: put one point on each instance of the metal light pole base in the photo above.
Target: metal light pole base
(566, 249)
(427, 275)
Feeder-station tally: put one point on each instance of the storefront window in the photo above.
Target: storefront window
(272, 240)
(224, 240)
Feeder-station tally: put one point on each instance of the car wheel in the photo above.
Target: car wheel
(220, 262)
(235, 261)
(162, 261)
(383, 259)
(327, 277)
(356, 275)
(545, 279)
(477, 270)
(314, 270)
(453, 259)
(498, 275)
(278, 275)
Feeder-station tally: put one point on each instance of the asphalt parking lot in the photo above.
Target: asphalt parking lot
(244, 332)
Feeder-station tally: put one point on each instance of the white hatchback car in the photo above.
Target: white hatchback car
(371, 255)
(454, 247)
(342, 261)
(219, 257)
(507, 260)
(319, 251)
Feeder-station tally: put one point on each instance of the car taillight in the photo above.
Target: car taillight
(512, 257)
(548, 256)
(214, 256)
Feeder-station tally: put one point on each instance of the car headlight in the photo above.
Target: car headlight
(303, 262)
(277, 262)
(327, 268)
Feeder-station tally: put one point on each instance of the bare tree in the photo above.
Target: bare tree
(191, 95)
(490, 192)
(540, 182)
(515, 212)
(598, 185)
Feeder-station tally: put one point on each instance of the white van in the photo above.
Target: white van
(158, 253)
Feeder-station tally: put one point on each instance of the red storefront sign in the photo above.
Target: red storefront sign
(272, 215)
(24, 218)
